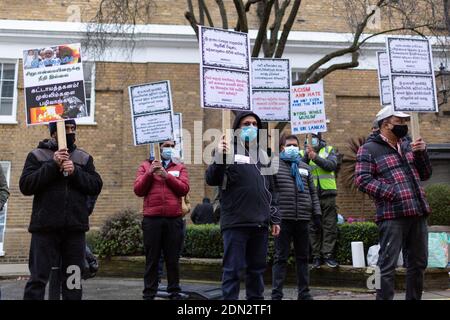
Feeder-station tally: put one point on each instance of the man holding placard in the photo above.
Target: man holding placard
(162, 183)
(389, 168)
(61, 181)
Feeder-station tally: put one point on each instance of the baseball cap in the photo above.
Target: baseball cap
(388, 111)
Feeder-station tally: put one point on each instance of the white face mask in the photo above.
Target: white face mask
(291, 151)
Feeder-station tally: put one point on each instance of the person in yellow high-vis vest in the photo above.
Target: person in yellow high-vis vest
(323, 161)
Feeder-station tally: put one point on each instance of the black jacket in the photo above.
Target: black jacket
(248, 197)
(203, 214)
(60, 203)
(294, 204)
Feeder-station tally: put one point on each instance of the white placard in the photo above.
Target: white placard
(271, 74)
(178, 134)
(225, 81)
(383, 64)
(308, 109)
(151, 112)
(272, 105)
(383, 78)
(412, 80)
(385, 91)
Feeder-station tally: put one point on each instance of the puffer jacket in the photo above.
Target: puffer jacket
(162, 197)
(294, 204)
(59, 203)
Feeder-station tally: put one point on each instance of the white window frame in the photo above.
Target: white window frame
(12, 119)
(7, 174)
(91, 119)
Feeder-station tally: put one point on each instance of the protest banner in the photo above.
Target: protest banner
(151, 113)
(383, 78)
(308, 109)
(271, 83)
(412, 77)
(54, 84)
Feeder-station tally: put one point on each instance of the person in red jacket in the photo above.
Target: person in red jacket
(162, 184)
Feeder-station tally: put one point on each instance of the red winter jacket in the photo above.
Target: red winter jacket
(162, 196)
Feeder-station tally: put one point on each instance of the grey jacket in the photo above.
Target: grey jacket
(294, 204)
(4, 192)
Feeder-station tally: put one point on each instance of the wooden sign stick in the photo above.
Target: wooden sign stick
(226, 118)
(157, 152)
(61, 138)
(415, 127)
(271, 126)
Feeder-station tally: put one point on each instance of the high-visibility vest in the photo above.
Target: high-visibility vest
(326, 179)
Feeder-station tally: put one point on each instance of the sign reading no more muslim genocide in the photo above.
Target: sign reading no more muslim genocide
(224, 69)
(151, 112)
(412, 80)
(271, 83)
(54, 84)
(308, 109)
(383, 78)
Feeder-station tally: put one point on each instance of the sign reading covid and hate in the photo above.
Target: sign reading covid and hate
(411, 73)
(225, 81)
(271, 89)
(383, 78)
(54, 84)
(308, 109)
(151, 112)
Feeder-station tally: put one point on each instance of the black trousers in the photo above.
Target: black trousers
(298, 233)
(166, 235)
(50, 249)
(412, 234)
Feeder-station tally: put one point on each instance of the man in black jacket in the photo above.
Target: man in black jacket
(61, 182)
(204, 213)
(298, 203)
(248, 207)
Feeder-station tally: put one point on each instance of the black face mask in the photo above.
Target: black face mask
(70, 137)
(400, 130)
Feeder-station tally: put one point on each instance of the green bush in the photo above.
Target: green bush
(93, 240)
(203, 241)
(438, 195)
(367, 232)
(121, 235)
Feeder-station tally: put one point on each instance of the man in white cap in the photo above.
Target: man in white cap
(389, 168)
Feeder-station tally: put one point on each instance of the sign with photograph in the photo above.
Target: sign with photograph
(54, 84)
(151, 112)
(411, 71)
(271, 81)
(308, 109)
(225, 81)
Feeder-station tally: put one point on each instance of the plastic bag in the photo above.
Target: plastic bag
(340, 219)
(437, 249)
(372, 256)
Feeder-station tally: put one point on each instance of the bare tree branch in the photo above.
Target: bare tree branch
(190, 17)
(242, 24)
(223, 14)
(337, 66)
(447, 14)
(275, 28)
(206, 11)
(287, 28)
(262, 28)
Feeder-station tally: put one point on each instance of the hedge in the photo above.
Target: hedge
(438, 196)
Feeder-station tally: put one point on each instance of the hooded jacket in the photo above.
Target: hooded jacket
(59, 203)
(247, 198)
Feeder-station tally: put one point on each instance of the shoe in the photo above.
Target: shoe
(317, 262)
(306, 296)
(178, 296)
(331, 263)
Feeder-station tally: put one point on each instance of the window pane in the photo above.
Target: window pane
(7, 89)
(88, 88)
(8, 71)
(87, 70)
(1, 233)
(88, 106)
(6, 107)
(2, 217)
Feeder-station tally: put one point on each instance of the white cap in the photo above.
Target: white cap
(389, 111)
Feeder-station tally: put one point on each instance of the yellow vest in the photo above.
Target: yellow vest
(326, 179)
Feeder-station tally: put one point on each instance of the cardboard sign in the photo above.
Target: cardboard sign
(225, 81)
(151, 112)
(308, 109)
(411, 74)
(54, 84)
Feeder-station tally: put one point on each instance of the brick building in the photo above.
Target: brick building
(167, 50)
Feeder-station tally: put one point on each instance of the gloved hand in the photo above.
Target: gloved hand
(317, 221)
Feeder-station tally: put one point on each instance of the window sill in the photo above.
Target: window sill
(2, 253)
(12, 122)
(86, 123)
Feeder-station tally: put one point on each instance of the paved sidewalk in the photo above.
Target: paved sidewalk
(131, 289)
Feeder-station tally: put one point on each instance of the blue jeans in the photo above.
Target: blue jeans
(245, 250)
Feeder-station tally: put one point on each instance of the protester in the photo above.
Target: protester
(162, 184)
(204, 213)
(248, 208)
(323, 161)
(299, 204)
(61, 182)
(389, 168)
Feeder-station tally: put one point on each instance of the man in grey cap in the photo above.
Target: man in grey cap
(389, 168)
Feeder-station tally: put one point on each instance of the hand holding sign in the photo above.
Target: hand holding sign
(418, 145)
(223, 146)
(68, 166)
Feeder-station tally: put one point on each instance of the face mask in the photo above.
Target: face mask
(291, 151)
(167, 153)
(70, 138)
(400, 130)
(249, 133)
(315, 142)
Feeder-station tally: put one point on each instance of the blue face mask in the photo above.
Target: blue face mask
(249, 133)
(315, 142)
(167, 153)
(291, 151)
